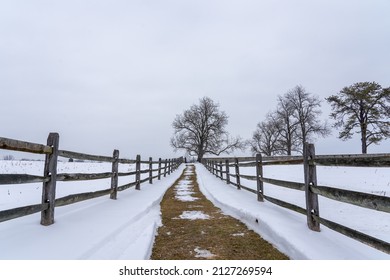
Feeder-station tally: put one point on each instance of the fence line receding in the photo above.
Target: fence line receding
(50, 177)
(221, 168)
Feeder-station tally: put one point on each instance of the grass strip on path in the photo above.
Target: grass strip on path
(193, 228)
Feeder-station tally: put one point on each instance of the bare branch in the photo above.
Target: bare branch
(201, 129)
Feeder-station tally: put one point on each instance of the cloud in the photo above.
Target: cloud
(115, 73)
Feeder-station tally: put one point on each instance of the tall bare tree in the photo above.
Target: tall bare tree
(362, 108)
(201, 130)
(289, 139)
(306, 110)
(266, 138)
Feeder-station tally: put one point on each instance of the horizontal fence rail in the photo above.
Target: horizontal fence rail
(221, 168)
(50, 177)
(21, 146)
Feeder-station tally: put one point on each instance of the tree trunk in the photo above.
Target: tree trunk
(289, 146)
(200, 152)
(364, 138)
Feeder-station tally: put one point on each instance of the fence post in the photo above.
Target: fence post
(49, 188)
(138, 172)
(169, 166)
(114, 175)
(150, 170)
(237, 174)
(259, 176)
(227, 172)
(159, 169)
(165, 167)
(312, 207)
(220, 170)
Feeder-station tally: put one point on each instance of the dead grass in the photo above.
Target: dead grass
(223, 236)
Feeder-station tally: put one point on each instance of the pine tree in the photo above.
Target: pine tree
(362, 108)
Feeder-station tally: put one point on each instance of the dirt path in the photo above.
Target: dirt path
(193, 228)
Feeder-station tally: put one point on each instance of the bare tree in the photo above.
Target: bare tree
(363, 106)
(201, 130)
(306, 109)
(266, 138)
(289, 139)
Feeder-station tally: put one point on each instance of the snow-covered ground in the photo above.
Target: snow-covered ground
(287, 230)
(100, 228)
(124, 228)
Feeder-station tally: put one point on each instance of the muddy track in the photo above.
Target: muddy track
(193, 228)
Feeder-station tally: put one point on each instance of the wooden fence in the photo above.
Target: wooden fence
(50, 176)
(221, 168)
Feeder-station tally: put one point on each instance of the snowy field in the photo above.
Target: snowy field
(100, 228)
(287, 230)
(27, 194)
(367, 180)
(124, 229)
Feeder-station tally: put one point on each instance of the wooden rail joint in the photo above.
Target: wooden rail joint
(49, 188)
(312, 206)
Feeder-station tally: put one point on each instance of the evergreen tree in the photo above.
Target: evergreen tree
(362, 108)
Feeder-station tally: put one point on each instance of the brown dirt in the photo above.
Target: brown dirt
(220, 237)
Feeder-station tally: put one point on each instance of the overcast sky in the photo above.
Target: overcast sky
(111, 74)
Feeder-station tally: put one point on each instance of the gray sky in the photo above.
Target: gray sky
(113, 74)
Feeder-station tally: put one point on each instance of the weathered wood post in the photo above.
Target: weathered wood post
(227, 172)
(312, 207)
(49, 188)
(165, 167)
(237, 174)
(159, 169)
(150, 170)
(114, 175)
(138, 172)
(259, 176)
(220, 169)
(169, 166)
